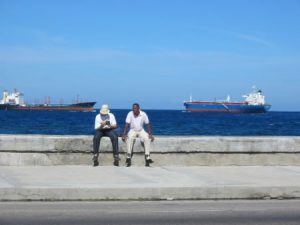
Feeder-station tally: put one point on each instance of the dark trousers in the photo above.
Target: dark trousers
(107, 133)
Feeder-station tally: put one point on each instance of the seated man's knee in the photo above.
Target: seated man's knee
(112, 134)
(145, 140)
(131, 140)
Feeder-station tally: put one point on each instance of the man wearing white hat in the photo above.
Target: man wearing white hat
(105, 123)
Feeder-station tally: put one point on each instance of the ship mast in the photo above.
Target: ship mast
(191, 97)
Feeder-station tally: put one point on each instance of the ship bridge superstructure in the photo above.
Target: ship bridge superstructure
(15, 98)
(255, 97)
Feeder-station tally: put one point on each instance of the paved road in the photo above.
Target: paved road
(271, 212)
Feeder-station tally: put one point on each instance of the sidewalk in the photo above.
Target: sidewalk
(55, 183)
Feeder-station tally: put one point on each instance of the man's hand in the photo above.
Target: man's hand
(123, 137)
(151, 138)
(105, 125)
(102, 124)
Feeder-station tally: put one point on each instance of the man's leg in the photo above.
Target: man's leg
(130, 142)
(96, 145)
(145, 139)
(115, 144)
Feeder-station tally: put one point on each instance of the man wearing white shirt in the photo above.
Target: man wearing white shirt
(136, 120)
(105, 123)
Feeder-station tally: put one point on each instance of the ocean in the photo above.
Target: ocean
(164, 122)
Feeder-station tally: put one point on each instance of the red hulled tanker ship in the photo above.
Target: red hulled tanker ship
(254, 103)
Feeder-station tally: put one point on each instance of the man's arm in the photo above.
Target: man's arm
(113, 126)
(125, 131)
(150, 132)
(113, 122)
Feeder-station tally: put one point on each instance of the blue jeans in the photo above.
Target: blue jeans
(107, 133)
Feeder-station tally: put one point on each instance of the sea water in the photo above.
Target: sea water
(164, 122)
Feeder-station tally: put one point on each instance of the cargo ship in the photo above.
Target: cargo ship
(14, 101)
(254, 103)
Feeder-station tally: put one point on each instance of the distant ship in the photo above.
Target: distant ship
(254, 103)
(14, 101)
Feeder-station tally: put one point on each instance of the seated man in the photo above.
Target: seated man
(105, 123)
(136, 120)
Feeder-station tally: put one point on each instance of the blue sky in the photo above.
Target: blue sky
(155, 52)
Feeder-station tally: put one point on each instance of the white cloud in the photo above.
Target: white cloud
(246, 37)
(254, 39)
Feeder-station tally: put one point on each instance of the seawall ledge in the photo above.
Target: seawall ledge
(162, 144)
(23, 150)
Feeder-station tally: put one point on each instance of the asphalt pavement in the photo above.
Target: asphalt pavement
(231, 212)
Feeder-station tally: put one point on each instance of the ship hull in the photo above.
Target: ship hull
(5, 106)
(82, 107)
(226, 107)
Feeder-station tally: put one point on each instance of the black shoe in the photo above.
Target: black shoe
(128, 162)
(116, 162)
(148, 161)
(95, 160)
(96, 163)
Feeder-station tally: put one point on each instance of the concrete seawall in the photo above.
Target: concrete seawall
(58, 168)
(22, 150)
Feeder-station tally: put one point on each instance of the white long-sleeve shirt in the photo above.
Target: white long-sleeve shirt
(100, 118)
